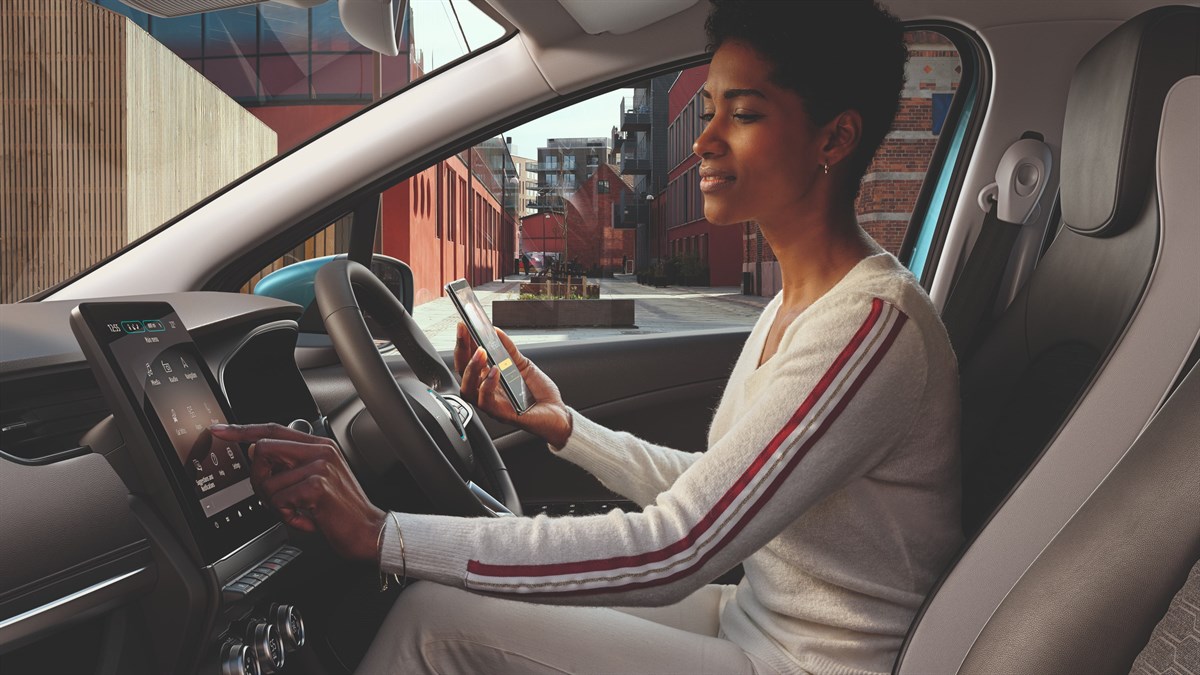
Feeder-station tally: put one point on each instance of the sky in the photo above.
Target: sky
(437, 36)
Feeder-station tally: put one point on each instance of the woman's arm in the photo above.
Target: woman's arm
(840, 400)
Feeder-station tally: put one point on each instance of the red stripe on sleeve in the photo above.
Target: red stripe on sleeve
(738, 486)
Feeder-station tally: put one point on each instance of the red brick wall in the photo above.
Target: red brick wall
(588, 237)
(890, 187)
(445, 233)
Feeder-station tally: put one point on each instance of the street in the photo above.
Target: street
(656, 310)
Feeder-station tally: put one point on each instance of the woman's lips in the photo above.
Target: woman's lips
(715, 183)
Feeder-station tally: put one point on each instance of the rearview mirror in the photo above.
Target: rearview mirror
(375, 24)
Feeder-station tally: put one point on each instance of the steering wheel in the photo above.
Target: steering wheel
(430, 429)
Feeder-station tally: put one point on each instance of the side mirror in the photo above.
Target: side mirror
(375, 24)
(294, 283)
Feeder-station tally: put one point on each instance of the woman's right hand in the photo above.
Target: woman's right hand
(548, 418)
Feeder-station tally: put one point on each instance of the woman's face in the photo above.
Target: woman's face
(759, 153)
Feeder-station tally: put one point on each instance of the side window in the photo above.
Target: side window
(602, 197)
(302, 261)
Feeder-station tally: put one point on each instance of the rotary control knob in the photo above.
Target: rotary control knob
(236, 659)
(288, 625)
(265, 646)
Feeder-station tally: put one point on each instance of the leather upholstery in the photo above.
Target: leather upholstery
(1112, 117)
(1090, 601)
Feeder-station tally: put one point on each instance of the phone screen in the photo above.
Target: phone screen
(484, 333)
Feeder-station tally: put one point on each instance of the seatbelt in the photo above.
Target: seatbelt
(974, 293)
(1008, 203)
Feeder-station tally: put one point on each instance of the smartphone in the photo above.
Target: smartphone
(484, 333)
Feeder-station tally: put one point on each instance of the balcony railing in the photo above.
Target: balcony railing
(545, 204)
(635, 166)
(634, 118)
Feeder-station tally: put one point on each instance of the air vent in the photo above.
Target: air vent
(43, 418)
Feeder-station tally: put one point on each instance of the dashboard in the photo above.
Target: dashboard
(113, 489)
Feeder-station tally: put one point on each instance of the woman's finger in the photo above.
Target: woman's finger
(464, 348)
(281, 480)
(496, 401)
(518, 358)
(472, 376)
(297, 502)
(250, 433)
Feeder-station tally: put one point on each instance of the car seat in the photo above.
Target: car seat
(1080, 362)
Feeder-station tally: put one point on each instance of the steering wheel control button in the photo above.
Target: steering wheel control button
(264, 644)
(236, 659)
(459, 411)
(289, 626)
(301, 425)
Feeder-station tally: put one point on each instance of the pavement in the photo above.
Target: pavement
(656, 310)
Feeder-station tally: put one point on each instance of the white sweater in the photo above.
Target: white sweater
(832, 474)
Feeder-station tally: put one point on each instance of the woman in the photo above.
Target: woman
(832, 467)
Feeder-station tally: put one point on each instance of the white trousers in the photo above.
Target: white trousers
(449, 631)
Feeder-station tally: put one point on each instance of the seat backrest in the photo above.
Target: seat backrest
(1027, 375)
(1062, 397)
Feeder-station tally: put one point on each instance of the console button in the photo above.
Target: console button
(255, 574)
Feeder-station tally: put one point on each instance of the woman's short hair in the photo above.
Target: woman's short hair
(837, 54)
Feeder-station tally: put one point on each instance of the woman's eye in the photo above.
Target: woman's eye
(706, 117)
(747, 118)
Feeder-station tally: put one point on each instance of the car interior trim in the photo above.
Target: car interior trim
(83, 602)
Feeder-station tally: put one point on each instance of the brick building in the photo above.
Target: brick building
(583, 231)
(681, 206)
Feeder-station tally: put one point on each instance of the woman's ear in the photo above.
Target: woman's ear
(842, 135)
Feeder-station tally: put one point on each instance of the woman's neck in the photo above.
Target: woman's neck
(815, 250)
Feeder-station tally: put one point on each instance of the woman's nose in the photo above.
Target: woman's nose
(709, 142)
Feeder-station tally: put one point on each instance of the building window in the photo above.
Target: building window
(602, 187)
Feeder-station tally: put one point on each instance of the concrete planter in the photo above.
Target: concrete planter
(562, 313)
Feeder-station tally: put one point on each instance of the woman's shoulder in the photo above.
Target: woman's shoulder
(881, 277)
(878, 290)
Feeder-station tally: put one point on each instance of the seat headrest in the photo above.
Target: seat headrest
(1113, 112)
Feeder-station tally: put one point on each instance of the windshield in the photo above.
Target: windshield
(124, 120)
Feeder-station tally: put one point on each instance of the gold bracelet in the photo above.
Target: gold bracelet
(402, 580)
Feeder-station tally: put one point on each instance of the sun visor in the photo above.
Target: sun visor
(621, 16)
(1112, 118)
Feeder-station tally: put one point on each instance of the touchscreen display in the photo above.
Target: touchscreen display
(146, 362)
(159, 361)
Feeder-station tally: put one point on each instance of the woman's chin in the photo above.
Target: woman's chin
(721, 217)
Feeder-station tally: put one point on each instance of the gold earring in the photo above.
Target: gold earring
(825, 169)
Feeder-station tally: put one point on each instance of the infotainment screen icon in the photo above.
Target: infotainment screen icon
(153, 372)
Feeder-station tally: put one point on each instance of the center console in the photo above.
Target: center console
(164, 398)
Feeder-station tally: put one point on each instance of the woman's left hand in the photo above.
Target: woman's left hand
(307, 481)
